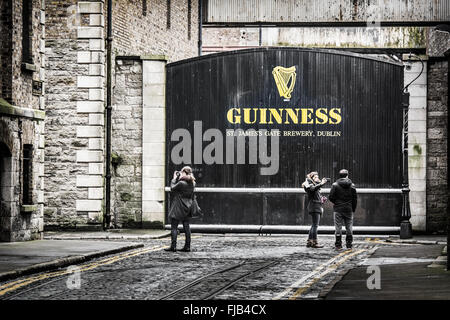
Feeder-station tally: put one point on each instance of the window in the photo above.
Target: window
(27, 172)
(189, 18)
(144, 7)
(168, 14)
(27, 31)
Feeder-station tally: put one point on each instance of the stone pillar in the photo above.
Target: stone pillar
(417, 137)
(153, 140)
(93, 130)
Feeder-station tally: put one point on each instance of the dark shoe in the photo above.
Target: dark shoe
(171, 249)
(338, 243)
(185, 249)
(316, 244)
(309, 243)
(349, 241)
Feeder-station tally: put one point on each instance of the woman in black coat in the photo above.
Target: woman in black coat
(182, 191)
(312, 187)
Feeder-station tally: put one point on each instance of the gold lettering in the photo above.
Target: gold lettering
(321, 114)
(234, 118)
(274, 113)
(293, 115)
(247, 115)
(306, 116)
(335, 114)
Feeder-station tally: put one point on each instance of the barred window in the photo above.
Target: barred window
(27, 173)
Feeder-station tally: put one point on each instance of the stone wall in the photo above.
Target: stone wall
(74, 149)
(126, 184)
(385, 37)
(437, 123)
(6, 49)
(75, 155)
(21, 124)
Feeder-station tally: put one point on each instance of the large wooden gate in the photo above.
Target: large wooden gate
(331, 110)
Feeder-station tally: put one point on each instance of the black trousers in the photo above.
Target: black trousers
(174, 232)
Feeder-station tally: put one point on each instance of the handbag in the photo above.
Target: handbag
(195, 211)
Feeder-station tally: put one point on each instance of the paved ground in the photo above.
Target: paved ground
(113, 234)
(23, 256)
(404, 274)
(150, 272)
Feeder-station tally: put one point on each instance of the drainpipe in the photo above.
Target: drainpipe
(200, 26)
(107, 215)
(447, 54)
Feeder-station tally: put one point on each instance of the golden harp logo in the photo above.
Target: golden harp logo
(285, 81)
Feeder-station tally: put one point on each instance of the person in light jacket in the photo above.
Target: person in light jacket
(182, 193)
(313, 205)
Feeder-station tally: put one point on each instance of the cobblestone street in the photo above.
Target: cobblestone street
(151, 273)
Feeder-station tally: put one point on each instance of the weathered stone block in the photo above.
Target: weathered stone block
(90, 7)
(89, 181)
(95, 168)
(96, 20)
(96, 119)
(90, 32)
(97, 94)
(152, 206)
(153, 183)
(95, 144)
(95, 193)
(90, 107)
(88, 205)
(96, 70)
(89, 156)
(84, 57)
(152, 90)
(153, 194)
(89, 131)
(150, 101)
(149, 66)
(417, 126)
(153, 136)
(89, 82)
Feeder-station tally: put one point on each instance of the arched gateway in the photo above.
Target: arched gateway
(253, 122)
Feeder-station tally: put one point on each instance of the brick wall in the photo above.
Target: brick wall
(136, 34)
(437, 200)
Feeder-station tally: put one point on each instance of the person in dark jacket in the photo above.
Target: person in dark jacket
(343, 195)
(313, 205)
(182, 192)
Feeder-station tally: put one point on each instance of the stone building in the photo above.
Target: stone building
(145, 36)
(22, 85)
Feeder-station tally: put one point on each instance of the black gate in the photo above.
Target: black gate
(331, 110)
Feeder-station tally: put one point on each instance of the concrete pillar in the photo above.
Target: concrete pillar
(153, 139)
(417, 137)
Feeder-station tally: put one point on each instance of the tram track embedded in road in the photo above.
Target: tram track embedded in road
(212, 284)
